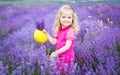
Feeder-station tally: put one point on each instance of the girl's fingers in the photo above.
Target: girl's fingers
(53, 55)
(50, 57)
(44, 30)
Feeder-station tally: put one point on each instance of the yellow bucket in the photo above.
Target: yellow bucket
(40, 36)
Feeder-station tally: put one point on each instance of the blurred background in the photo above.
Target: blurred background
(59, 1)
(97, 46)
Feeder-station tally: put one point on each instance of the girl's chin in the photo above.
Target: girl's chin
(66, 25)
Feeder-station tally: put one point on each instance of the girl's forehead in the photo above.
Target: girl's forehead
(66, 12)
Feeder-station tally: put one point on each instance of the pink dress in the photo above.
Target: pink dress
(68, 56)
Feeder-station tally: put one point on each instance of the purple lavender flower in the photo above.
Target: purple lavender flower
(40, 24)
(96, 47)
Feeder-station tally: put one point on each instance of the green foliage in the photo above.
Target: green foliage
(48, 52)
(118, 48)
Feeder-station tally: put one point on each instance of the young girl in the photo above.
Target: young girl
(65, 28)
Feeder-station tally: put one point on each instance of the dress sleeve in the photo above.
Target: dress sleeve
(70, 34)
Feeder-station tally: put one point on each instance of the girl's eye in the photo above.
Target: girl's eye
(63, 16)
(69, 17)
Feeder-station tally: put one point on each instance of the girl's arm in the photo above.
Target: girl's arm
(63, 49)
(52, 40)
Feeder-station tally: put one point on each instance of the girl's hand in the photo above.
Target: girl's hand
(53, 54)
(46, 32)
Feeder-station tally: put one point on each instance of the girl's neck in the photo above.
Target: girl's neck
(65, 27)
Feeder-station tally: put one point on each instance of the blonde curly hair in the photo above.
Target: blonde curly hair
(57, 24)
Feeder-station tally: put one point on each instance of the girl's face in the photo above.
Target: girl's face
(66, 18)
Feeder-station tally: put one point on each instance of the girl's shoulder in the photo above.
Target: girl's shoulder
(71, 30)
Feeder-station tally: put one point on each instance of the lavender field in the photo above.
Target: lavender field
(97, 46)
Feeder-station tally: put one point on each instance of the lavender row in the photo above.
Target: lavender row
(97, 47)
